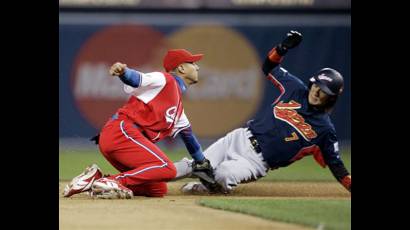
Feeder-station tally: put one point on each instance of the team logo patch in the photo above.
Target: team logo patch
(336, 146)
(293, 137)
(324, 77)
(170, 114)
(287, 112)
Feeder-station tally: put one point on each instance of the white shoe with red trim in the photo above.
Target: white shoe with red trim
(83, 182)
(105, 188)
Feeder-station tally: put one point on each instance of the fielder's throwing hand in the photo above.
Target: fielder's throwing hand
(117, 69)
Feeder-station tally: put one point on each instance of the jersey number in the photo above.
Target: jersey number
(294, 137)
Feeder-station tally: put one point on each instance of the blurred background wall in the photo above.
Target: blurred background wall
(234, 35)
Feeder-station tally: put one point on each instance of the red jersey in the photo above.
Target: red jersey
(156, 106)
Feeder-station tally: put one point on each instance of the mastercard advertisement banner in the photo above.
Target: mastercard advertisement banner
(229, 91)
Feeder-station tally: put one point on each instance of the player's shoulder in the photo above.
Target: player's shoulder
(167, 76)
(155, 74)
(285, 76)
(327, 132)
(322, 121)
(153, 79)
(330, 127)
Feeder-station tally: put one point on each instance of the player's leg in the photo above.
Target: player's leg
(144, 164)
(241, 162)
(233, 172)
(228, 175)
(215, 153)
(184, 168)
(110, 187)
(106, 188)
(138, 159)
(154, 189)
(83, 182)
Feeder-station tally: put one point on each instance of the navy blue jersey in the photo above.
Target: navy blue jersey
(292, 129)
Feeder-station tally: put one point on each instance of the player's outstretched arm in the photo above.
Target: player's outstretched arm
(275, 56)
(201, 167)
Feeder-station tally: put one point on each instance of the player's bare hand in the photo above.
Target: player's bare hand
(117, 69)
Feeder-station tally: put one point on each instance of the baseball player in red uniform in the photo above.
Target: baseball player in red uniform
(154, 111)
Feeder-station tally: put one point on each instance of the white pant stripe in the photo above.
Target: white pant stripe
(146, 148)
(142, 170)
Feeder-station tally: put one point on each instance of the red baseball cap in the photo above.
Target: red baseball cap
(175, 57)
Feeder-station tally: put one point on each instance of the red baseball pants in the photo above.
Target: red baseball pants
(144, 167)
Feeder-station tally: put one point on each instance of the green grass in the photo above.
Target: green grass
(73, 162)
(306, 169)
(331, 214)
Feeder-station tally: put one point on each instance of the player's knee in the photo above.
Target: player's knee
(171, 171)
(224, 177)
(156, 190)
(223, 171)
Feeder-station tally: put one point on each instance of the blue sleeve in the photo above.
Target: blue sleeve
(131, 77)
(192, 144)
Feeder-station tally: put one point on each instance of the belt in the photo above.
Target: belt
(257, 148)
(117, 116)
(125, 117)
(255, 144)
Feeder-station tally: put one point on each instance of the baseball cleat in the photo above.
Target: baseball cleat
(83, 182)
(194, 187)
(105, 188)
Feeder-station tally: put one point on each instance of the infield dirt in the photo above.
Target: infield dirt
(182, 212)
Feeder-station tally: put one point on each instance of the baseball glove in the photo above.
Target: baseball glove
(96, 139)
(293, 38)
(204, 171)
